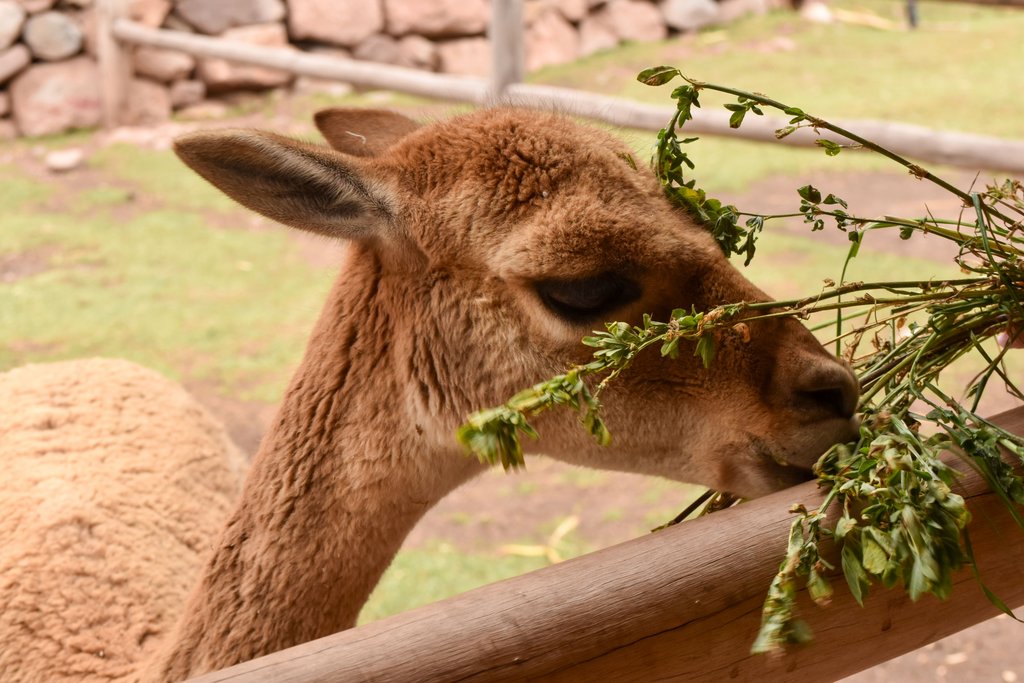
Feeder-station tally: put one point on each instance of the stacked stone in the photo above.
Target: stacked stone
(49, 80)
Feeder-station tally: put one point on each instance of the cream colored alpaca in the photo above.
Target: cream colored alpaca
(480, 250)
(114, 480)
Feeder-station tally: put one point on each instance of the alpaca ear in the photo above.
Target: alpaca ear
(362, 132)
(299, 184)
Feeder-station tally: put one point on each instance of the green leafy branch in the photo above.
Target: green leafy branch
(889, 511)
(493, 434)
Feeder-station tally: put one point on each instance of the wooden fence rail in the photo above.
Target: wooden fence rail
(946, 147)
(683, 604)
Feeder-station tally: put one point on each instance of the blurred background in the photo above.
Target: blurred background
(110, 247)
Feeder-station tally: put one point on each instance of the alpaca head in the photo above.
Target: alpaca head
(502, 238)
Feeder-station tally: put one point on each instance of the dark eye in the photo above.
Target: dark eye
(588, 298)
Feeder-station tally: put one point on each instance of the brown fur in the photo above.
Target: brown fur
(362, 132)
(436, 313)
(114, 483)
(451, 230)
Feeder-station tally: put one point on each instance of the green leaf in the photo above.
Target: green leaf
(705, 349)
(855, 238)
(832, 199)
(595, 425)
(843, 526)
(831, 148)
(992, 597)
(874, 558)
(810, 193)
(658, 75)
(683, 91)
(799, 632)
(818, 587)
(670, 348)
(737, 118)
(918, 584)
(856, 578)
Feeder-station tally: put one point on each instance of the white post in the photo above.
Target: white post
(506, 35)
(114, 63)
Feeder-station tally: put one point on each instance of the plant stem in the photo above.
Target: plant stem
(816, 123)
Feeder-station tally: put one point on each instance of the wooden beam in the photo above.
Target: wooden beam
(507, 53)
(683, 604)
(977, 152)
(363, 74)
(114, 62)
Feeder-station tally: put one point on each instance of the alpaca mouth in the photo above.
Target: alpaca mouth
(788, 462)
(786, 467)
(756, 467)
(781, 465)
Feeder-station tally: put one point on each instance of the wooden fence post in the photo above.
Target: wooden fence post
(114, 63)
(506, 35)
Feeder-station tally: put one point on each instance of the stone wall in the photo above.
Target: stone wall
(49, 80)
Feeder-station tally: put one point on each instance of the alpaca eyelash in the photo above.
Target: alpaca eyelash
(588, 298)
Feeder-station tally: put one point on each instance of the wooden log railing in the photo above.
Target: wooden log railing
(683, 604)
(978, 152)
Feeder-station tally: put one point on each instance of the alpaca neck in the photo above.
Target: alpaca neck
(336, 486)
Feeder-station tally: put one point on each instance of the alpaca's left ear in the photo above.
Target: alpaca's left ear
(307, 186)
(362, 132)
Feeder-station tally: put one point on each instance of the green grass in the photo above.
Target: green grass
(584, 478)
(612, 515)
(673, 492)
(955, 72)
(789, 265)
(19, 194)
(525, 488)
(156, 286)
(461, 518)
(103, 196)
(159, 175)
(419, 577)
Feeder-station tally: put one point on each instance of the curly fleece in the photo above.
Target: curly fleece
(113, 484)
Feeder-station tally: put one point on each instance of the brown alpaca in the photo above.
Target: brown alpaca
(480, 250)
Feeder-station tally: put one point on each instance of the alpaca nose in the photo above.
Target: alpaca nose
(828, 389)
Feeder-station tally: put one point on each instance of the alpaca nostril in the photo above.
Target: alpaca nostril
(832, 401)
(831, 390)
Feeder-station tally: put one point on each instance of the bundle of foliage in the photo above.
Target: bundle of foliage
(898, 521)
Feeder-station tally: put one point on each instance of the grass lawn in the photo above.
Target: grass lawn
(136, 257)
(155, 283)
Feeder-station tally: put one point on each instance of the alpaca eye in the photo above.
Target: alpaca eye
(589, 298)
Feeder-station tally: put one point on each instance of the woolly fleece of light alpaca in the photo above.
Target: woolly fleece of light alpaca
(114, 483)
